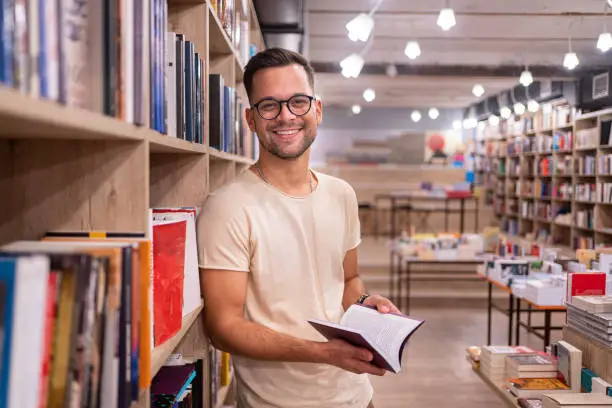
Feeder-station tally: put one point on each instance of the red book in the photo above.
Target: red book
(585, 284)
(168, 273)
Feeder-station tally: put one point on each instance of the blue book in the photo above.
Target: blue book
(8, 268)
(189, 84)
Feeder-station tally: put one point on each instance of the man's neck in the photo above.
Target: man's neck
(290, 176)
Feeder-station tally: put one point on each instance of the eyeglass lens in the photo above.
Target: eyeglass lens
(298, 105)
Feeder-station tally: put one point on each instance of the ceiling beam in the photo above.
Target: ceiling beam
(457, 70)
(451, 39)
(394, 13)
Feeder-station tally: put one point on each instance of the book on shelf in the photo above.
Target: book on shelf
(576, 400)
(384, 334)
(173, 386)
(96, 352)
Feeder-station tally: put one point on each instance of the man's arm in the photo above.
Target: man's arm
(354, 287)
(224, 296)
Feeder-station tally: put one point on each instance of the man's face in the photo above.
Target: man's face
(288, 136)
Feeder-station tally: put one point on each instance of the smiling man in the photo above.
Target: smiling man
(278, 246)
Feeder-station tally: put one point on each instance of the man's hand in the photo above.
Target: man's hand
(382, 304)
(341, 354)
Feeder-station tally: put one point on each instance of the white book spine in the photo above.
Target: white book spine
(170, 77)
(34, 48)
(21, 53)
(51, 71)
(73, 38)
(28, 331)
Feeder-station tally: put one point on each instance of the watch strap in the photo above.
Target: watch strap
(362, 298)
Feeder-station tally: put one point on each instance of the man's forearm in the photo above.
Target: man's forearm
(353, 289)
(255, 341)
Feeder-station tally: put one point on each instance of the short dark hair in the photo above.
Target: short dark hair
(275, 57)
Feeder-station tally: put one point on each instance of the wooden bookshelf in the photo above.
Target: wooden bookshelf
(65, 168)
(161, 353)
(528, 225)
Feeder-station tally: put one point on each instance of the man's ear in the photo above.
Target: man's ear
(250, 118)
(318, 110)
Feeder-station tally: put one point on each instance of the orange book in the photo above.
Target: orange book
(141, 286)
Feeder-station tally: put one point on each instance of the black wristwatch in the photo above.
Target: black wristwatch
(362, 298)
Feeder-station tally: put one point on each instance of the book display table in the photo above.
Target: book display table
(401, 274)
(513, 312)
(404, 202)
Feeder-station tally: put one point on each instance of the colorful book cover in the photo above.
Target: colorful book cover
(168, 274)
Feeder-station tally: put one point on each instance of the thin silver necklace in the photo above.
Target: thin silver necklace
(266, 180)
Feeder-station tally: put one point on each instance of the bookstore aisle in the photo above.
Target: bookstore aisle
(434, 369)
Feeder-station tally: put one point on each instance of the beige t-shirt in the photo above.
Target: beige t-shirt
(293, 249)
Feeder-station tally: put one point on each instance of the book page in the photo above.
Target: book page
(386, 331)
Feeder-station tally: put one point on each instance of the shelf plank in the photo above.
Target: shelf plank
(160, 354)
(25, 117)
(218, 155)
(159, 143)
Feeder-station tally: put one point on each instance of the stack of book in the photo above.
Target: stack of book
(493, 361)
(573, 400)
(584, 316)
(531, 366)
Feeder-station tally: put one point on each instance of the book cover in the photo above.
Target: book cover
(168, 266)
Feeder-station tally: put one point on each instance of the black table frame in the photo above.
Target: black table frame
(401, 272)
(395, 199)
(513, 312)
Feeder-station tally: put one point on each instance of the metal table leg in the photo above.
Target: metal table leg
(517, 333)
(462, 216)
(392, 273)
(546, 328)
(489, 310)
(510, 317)
(408, 276)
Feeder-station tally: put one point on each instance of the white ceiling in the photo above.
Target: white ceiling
(488, 34)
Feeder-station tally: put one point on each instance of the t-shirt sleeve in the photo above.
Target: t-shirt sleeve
(353, 233)
(223, 238)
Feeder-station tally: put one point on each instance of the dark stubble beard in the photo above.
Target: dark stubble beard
(275, 149)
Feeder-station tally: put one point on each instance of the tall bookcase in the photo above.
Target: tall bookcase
(64, 168)
(552, 170)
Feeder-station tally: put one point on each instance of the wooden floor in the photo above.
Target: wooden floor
(435, 373)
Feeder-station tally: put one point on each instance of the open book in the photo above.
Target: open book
(384, 334)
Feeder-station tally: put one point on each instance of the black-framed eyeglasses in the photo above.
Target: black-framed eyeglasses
(270, 108)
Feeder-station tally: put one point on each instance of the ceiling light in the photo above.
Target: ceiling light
(457, 124)
(356, 109)
(415, 116)
(571, 61)
(351, 66)
(446, 19)
(369, 95)
(391, 70)
(526, 78)
(493, 120)
(533, 106)
(360, 28)
(470, 123)
(505, 112)
(519, 108)
(478, 90)
(412, 50)
(610, 3)
(604, 42)
(434, 113)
